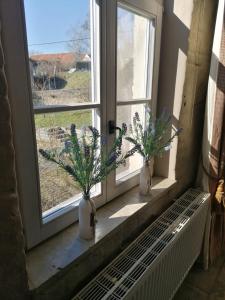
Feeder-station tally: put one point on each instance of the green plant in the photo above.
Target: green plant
(84, 159)
(153, 139)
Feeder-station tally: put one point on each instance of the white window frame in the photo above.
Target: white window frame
(147, 9)
(18, 76)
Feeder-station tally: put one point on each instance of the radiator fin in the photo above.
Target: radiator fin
(145, 270)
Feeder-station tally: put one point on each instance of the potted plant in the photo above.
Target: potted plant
(150, 141)
(83, 158)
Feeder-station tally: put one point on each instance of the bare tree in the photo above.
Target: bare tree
(80, 38)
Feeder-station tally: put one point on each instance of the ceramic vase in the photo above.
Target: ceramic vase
(87, 218)
(146, 178)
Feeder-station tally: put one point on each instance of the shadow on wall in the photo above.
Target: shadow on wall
(216, 128)
(216, 67)
(183, 81)
(175, 36)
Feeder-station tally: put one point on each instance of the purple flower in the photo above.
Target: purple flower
(132, 151)
(137, 116)
(94, 131)
(68, 145)
(86, 151)
(112, 158)
(124, 127)
(73, 129)
(141, 127)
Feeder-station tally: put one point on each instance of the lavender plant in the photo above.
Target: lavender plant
(152, 140)
(84, 159)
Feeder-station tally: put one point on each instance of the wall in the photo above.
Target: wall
(188, 30)
(185, 56)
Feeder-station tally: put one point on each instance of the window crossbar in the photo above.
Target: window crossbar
(62, 108)
(132, 102)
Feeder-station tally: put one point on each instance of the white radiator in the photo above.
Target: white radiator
(156, 263)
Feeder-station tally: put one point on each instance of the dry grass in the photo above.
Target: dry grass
(56, 185)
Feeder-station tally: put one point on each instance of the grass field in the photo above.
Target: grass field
(77, 89)
(77, 80)
(56, 185)
(63, 119)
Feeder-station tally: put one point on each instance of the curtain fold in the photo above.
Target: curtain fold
(217, 233)
(13, 275)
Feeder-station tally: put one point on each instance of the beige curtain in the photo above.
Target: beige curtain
(13, 276)
(212, 171)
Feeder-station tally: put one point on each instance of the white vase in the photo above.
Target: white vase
(146, 178)
(87, 215)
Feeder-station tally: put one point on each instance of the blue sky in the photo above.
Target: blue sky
(52, 21)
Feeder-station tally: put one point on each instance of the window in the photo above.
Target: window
(83, 62)
(64, 79)
(135, 51)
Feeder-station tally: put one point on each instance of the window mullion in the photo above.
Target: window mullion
(110, 79)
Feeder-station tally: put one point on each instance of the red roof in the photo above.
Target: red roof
(63, 58)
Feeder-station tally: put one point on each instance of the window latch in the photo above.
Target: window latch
(111, 127)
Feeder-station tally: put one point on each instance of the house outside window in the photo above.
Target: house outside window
(86, 68)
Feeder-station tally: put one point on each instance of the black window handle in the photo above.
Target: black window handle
(112, 127)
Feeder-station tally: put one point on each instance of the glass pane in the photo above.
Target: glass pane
(135, 41)
(125, 114)
(61, 52)
(51, 132)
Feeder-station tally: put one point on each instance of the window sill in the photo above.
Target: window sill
(118, 221)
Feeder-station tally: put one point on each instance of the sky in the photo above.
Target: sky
(52, 21)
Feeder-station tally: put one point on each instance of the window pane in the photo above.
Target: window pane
(51, 131)
(135, 41)
(125, 114)
(62, 57)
